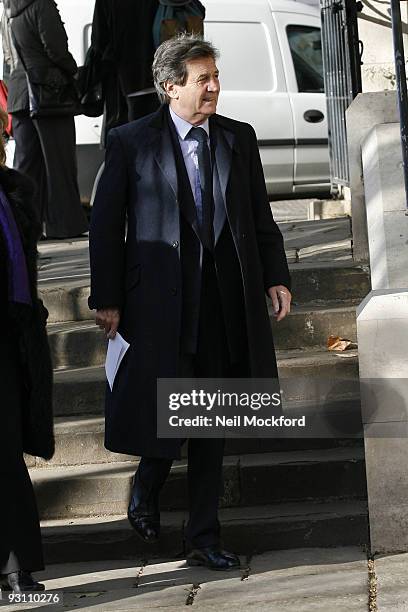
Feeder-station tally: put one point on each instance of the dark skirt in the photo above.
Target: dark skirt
(20, 536)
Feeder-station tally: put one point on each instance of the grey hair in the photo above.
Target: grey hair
(170, 60)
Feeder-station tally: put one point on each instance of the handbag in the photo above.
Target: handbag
(50, 92)
(51, 95)
(90, 85)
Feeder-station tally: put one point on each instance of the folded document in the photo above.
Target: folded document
(116, 351)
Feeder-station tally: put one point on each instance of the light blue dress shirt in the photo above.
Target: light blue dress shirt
(189, 151)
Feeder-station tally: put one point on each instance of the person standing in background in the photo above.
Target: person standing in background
(25, 381)
(122, 40)
(34, 38)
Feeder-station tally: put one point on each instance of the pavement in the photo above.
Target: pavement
(303, 580)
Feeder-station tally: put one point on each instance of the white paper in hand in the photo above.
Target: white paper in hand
(116, 351)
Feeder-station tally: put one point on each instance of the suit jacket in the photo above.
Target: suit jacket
(139, 270)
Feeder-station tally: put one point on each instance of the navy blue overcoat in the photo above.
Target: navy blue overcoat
(135, 263)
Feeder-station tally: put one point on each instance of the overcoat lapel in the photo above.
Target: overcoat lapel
(164, 154)
(223, 146)
(223, 142)
(163, 151)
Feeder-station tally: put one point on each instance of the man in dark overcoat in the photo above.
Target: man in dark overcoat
(183, 249)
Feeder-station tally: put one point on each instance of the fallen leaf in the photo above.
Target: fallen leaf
(335, 343)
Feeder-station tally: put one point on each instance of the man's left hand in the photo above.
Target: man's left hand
(281, 298)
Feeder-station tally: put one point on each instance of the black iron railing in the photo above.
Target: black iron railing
(401, 79)
(341, 52)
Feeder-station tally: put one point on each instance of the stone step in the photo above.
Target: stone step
(82, 390)
(76, 344)
(317, 362)
(81, 344)
(310, 326)
(329, 283)
(67, 300)
(245, 530)
(79, 439)
(322, 284)
(103, 489)
(79, 391)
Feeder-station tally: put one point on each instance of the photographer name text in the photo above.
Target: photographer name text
(236, 421)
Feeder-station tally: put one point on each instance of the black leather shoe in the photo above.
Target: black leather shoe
(19, 582)
(213, 558)
(147, 526)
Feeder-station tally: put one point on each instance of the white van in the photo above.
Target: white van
(271, 76)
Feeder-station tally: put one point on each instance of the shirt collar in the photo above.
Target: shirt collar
(183, 127)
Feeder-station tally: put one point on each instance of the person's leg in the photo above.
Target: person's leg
(148, 482)
(28, 158)
(20, 536)
(143, 510)
(64, 216)
(205, 456)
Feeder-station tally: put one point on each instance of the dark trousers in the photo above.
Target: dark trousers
(205, 455)
(45, 151)
(20, 537)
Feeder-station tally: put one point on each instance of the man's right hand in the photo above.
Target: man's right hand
(108, 320)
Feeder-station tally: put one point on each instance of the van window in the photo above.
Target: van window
(306, 49)
(245, 55)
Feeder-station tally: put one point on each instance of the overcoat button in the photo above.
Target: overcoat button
(174, 291)
(175, 244)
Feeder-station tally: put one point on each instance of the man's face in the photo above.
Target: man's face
(197, 99)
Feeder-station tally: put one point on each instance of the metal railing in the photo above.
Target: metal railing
(402, 93)
(341, 52)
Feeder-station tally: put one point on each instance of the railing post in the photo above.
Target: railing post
(342, 78)
(402, 95)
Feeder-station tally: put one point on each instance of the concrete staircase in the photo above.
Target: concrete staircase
(277, 493)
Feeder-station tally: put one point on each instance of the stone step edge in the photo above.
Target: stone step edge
(94, 423)
(125, 469)
(74, 326)
(337, 525)
(82, 283)
(317, 355)
(291, 511)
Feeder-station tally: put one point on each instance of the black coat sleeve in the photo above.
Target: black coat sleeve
(269, 237)
(108, 228)
(53, 36)
(102, 34)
